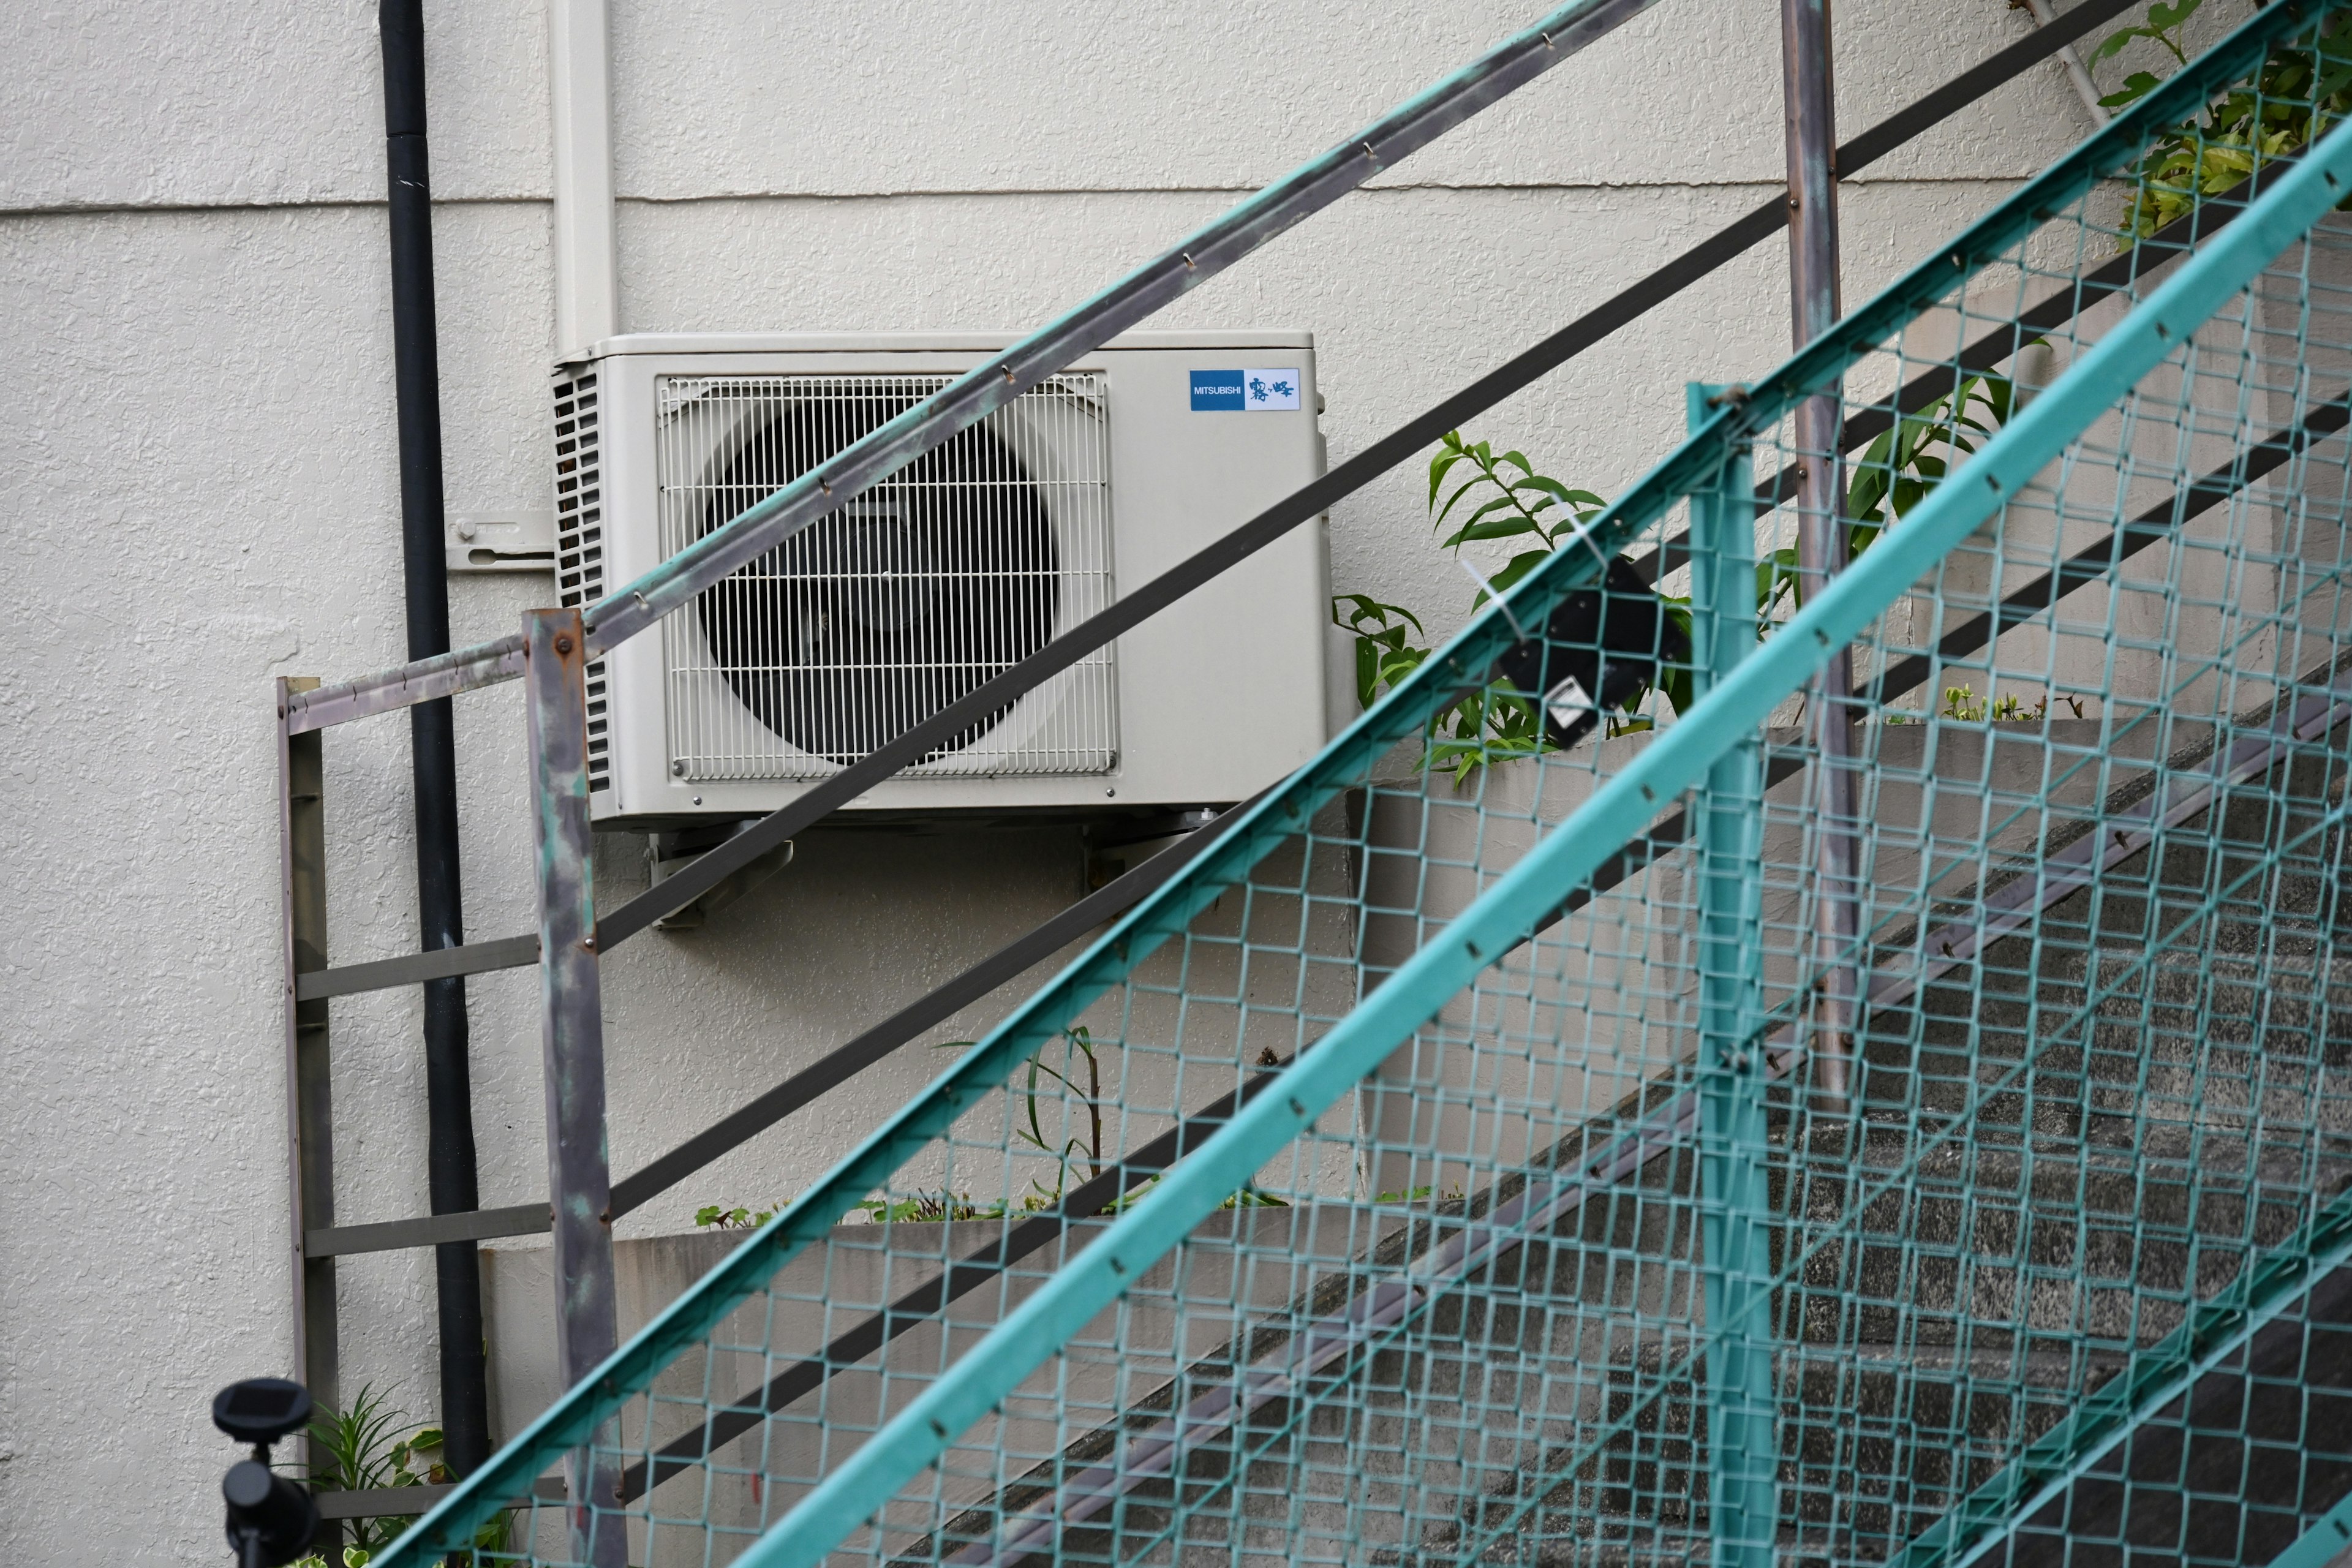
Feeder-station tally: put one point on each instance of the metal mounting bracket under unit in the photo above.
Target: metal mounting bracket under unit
(500, 541)
(668, 853)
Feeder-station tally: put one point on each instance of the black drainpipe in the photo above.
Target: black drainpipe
(449, 1090)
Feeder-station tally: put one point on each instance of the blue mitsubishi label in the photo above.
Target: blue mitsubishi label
(1217, 392)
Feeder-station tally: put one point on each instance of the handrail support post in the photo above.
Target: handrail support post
(310, 1080)
(572, 1041)
(1810, 96)
(1736, 1202)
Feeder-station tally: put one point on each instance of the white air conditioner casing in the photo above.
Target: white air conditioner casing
(1104, 478)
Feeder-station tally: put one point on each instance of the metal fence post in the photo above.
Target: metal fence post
(309, 1086)
(1735, 1212)
(1810, 96)
(572, 1040)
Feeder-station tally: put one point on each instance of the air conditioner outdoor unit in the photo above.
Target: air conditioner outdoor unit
(960, 566)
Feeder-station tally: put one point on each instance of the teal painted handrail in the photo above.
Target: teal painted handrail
(1736, 1201)
(2329, 1537)
(1623, 805)
(1993, 1513)
(1622, 809)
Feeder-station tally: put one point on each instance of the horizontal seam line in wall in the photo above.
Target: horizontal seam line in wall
(308, 204)
(1399, 187)
(335, 204)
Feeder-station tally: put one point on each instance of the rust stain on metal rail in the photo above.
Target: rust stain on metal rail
(444, 675)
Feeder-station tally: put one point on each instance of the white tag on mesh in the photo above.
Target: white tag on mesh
(1567, 702)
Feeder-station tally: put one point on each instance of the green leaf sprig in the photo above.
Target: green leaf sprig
(1497, 496)
(1896, 471)
(1515, 508)
(2301, 89)
(368, 1446)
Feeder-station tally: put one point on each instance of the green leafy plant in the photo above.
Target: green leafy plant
(1502, 496)
(1960, 704)
(368, 1446)
(349, 1557)
(1497, 496)
(1414, 1196)
(928, 1207)
(2301, 89)
(1515, 499)
(1077, 1045)
(1896, 471)
(932, 1207)
(1493, 724)
(1384, 653)
(1077, 1041)
(2163, 27)
(942, 1206)
(1250, 1196)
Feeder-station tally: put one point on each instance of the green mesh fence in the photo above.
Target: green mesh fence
(1911, 1127)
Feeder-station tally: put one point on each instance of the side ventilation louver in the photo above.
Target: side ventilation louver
(580, 541)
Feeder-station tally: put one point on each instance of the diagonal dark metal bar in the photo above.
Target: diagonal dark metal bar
(919, 1305)
(2092, 563)
(2167, 244)
(431, 1230)
(1311, 501)
(1307, 190)
(1627, 305)
(383, 974)
(2002, 913)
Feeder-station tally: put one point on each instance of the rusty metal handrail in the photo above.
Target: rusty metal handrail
(1194, 260)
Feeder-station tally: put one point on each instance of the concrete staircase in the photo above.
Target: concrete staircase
(2171, 1113)
(2030, 1238)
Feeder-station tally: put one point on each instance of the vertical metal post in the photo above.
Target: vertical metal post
(1814, 306)
(1735, 1205)
(309, 1121)
(573, 1043)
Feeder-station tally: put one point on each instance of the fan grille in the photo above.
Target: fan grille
(902, 601)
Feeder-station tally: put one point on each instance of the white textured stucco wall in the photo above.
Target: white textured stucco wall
(200, 491)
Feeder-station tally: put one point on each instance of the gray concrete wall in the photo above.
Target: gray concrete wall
(200, 482)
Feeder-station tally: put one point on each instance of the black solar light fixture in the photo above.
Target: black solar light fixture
(270, 1519)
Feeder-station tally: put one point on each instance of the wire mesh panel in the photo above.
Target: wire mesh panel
(901, 601)
(1467, 1159)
